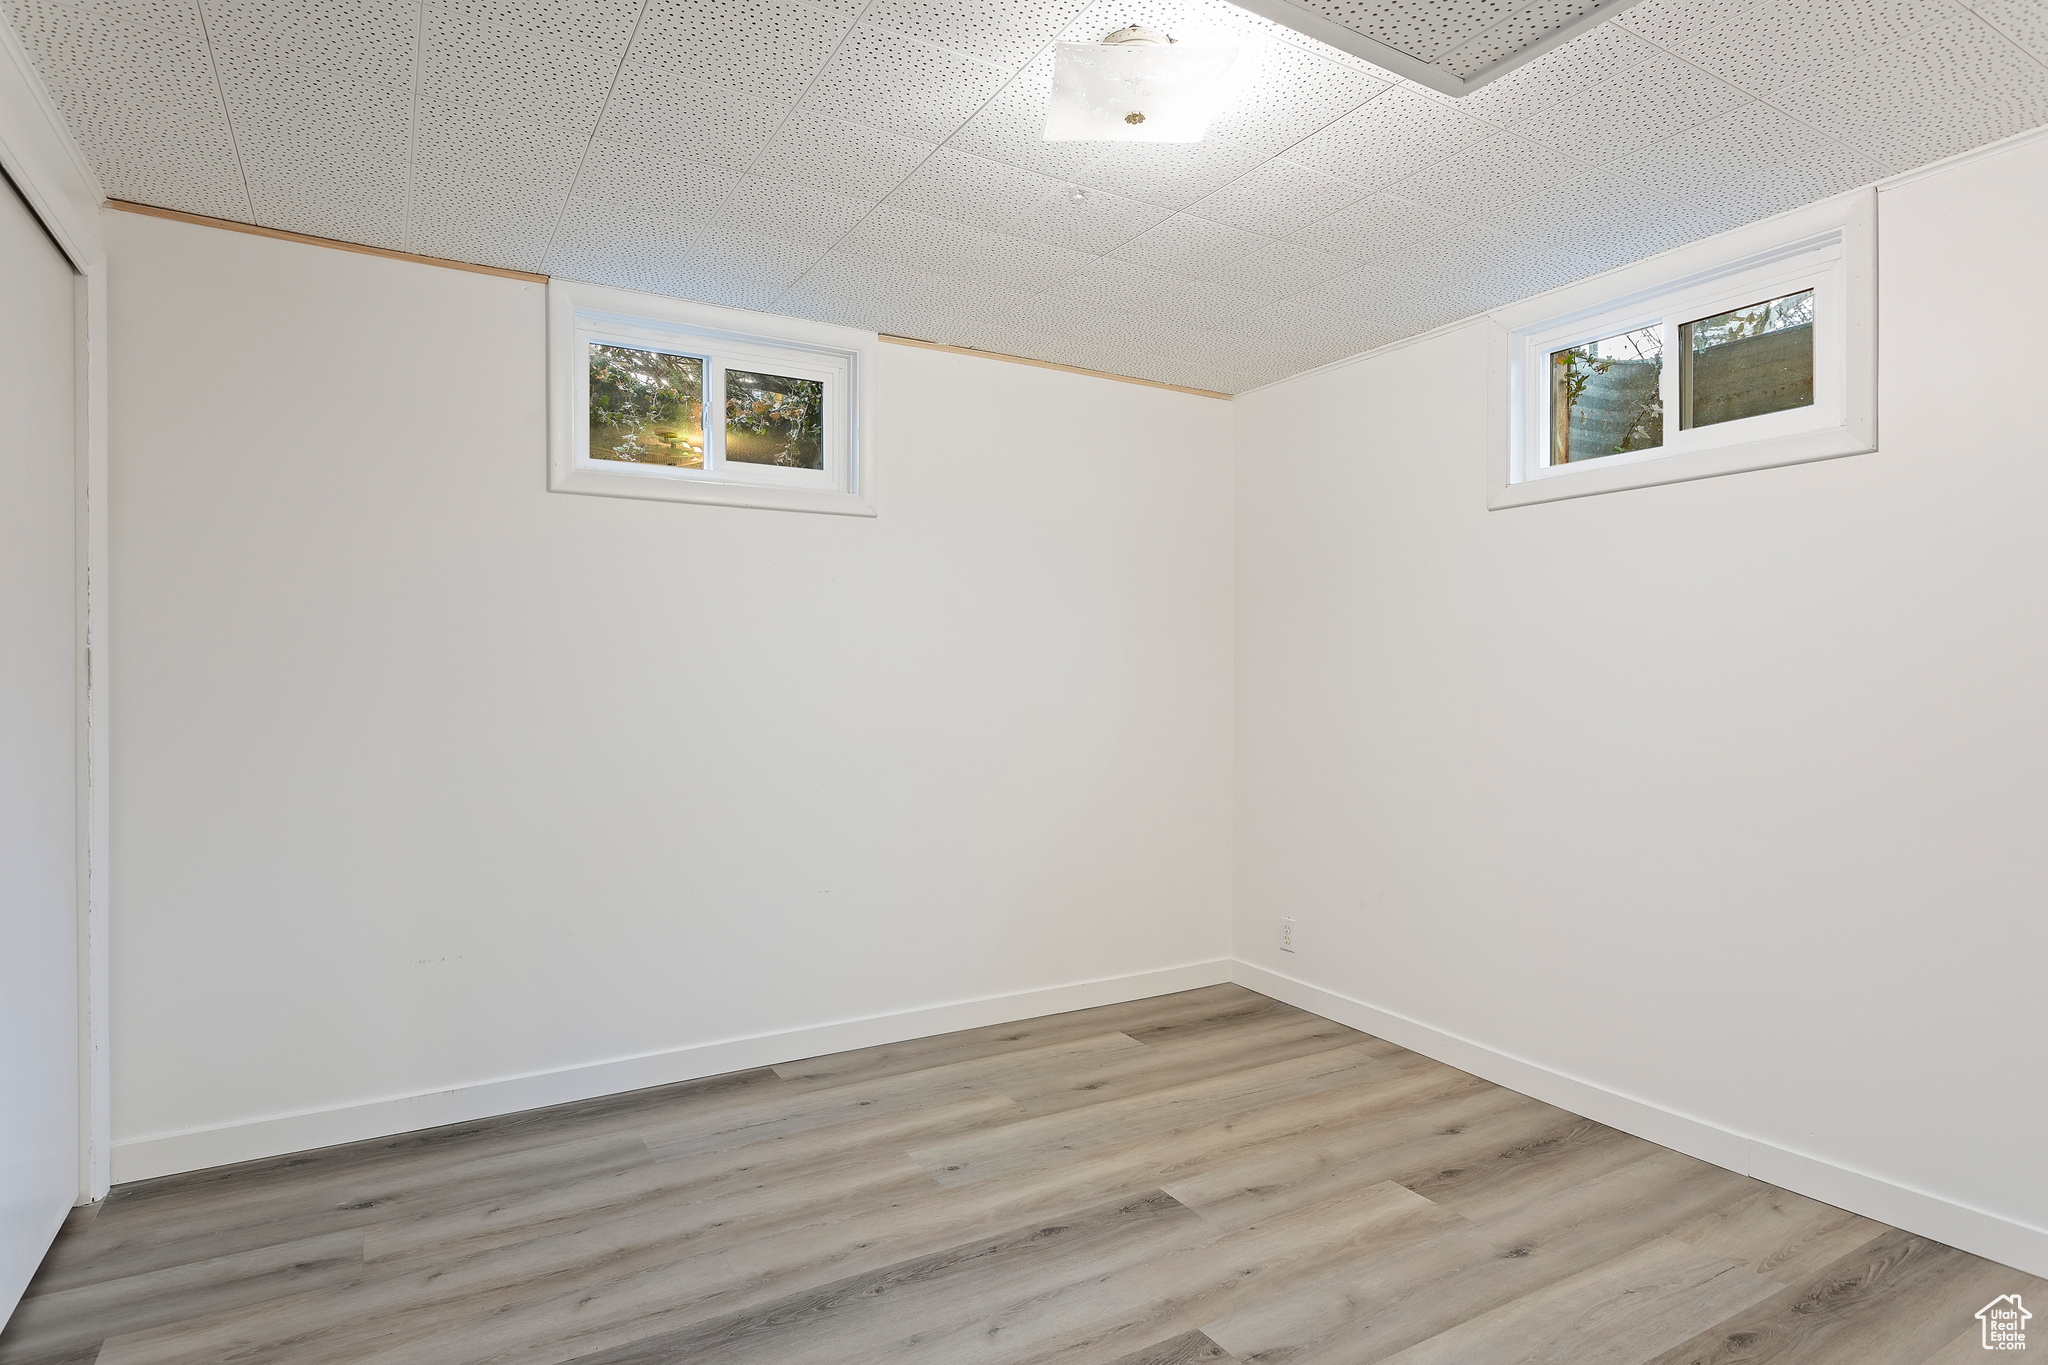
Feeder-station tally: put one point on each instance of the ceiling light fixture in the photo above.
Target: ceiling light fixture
(1135, 86)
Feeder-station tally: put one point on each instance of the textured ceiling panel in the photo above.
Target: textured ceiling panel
(1189, 245)
(1276, 198)
(919, 90)
(1005, 33)
(510, 91)
(1387, 139)
(321, 96)
(884, 166)
(1276, 270)
(1171, 174)
(1451, 46)
(2023, 21)
(841, 157)
(135, 82)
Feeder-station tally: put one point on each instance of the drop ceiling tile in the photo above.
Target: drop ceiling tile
(767, 49)
(1277, 198)
(1963, 84)
(1277, 269)
(1657, 99)
(1598, 60)
(1282, 93)
(1187, 244)
(1011, 129)
(1513, 33)
(840, 157)
(1171, 174)
(795, 213)
(1466, 252)
(135, 85)
(1485, 179)
(1388, 139)
(1124, 286)
(945, 247)
(1754, 43)
(662, 127)
(1007, 33)
(1089, 220)
(1372, 297)
(696, 260)
(1311, 336)
(903, 86)
(2023, 21)
(509, 97)
(1421, 28)
(1377, 227)
(321, 99)
(973, 190)
(1750, 164)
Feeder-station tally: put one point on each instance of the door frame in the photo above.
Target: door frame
(55, 180)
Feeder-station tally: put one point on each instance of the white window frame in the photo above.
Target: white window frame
(1829, 247)
(842, 358)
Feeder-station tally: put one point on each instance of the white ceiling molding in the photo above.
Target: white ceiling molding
(883, 165)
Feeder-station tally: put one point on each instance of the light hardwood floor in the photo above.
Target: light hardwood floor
(1211, 1176)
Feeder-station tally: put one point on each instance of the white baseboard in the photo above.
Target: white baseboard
(167, 1153)
(1972, 1229)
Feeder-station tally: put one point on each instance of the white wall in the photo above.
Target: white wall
(1728, 797)
(428, 777)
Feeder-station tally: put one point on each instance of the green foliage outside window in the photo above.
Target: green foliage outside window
(646, 407)
(774, 419)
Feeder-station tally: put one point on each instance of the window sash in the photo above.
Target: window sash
(1820, 270)
(719, 353)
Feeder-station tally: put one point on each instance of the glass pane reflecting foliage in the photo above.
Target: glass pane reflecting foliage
(1607, 397)
(646, 407)
(1747, 362)
(774, 419)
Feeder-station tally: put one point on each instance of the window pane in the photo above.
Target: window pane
(1606, 396)
(773, 419)
(646, 407)
(1747, 362)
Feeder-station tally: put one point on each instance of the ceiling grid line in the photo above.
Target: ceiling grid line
(1069, 186)
(1748, 93)
(412, 122)
(789, 114)
(596, 127)
(227, 114)
(879, 163)
(2000, 30)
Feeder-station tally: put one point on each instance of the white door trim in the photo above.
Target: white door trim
(39, 156)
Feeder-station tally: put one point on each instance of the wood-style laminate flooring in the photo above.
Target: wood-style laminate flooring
(1203, 1177)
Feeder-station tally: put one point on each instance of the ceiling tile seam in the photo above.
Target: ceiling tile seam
(597, 126)
(790, 113)
(227, 115)
(1981, 17)
(412, 120)
(932, 150)
(1865, 153)
(1018, 75)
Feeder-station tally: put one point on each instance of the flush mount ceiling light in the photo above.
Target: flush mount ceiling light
(1135, 86)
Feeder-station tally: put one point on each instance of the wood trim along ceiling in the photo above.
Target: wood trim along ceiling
(229, 224)
(152, 211)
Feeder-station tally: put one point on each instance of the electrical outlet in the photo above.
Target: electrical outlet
(1287, 933)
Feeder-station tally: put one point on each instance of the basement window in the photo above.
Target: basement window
(664, 399)
(1753, 349)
